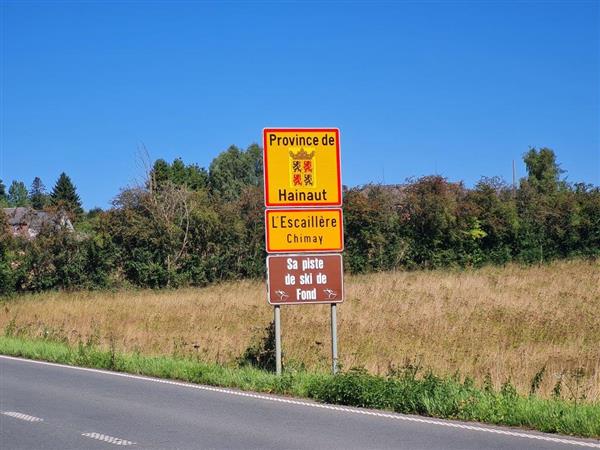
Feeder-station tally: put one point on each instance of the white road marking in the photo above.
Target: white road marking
(18, 415)
(364, 412)
(106, 438)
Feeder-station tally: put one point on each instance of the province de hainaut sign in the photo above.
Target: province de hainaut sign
(302, 167)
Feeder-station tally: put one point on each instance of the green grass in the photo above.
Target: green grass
(404, 391)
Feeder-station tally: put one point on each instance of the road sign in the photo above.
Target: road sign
(304, 230)
(305, 278)
(302, 167)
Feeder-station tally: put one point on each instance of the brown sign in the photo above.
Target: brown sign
(306, 278)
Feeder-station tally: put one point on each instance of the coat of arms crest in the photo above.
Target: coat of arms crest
(302, 169)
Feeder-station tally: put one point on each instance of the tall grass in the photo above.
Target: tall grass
(537, 326)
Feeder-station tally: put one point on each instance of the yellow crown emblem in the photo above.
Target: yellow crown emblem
(302, 154)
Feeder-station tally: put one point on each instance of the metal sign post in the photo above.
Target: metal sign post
(278, 339)
(334, 352)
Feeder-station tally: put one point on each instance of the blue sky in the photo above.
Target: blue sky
(455, 88)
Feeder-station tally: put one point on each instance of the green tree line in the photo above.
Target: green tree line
(191, 226)
(63, 196)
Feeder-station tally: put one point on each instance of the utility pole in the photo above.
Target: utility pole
(514, 185)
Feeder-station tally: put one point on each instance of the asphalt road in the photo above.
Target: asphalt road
(47, 406)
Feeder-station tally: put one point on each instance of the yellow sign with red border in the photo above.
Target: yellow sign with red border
(302, 167)
(304, 230)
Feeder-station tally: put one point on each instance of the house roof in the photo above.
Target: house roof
(35, 219)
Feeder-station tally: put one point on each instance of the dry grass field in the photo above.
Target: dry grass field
(509, 322)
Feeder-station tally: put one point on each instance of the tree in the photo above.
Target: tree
(64, 195)
(6, 272)
(3, 196)
(17, 194)
(496, 210)
(178, 173)
(373, 240)
(159, 175)
(543, 172)
(192, 176)
(588, 198)
(546, 213)
(37, 194)
(233, 170)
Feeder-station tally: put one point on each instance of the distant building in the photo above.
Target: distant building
(28, 222)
